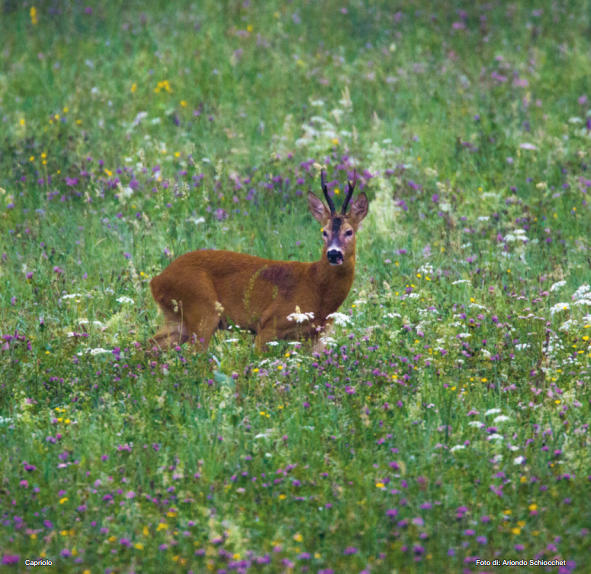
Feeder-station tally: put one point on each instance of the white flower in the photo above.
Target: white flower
(567, 325)
(557, 286)
(519, 460)
(495, 436)
(300, 317)
(527, 145)
(457, 447)
(460, 281)
(497, 458)
(559, 307)
(517, 235)
(340, 319)
(125, 299)
(583, 292)
(492, 412)
(501, 419)
(72, 296)
(476, 424)
(426, 269)
(522, 346)
(96, 351)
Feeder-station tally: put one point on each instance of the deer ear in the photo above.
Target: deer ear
(359, 208)
(318, 209)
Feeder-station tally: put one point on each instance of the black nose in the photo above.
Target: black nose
(335, 257)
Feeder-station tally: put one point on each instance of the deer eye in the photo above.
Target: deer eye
(325, 234)
(349, 232)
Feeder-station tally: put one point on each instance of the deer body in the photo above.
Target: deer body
(202, 291)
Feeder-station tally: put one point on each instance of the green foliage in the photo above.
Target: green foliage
(446, 422)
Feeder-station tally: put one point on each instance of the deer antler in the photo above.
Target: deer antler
(350, 188)
(325, 190)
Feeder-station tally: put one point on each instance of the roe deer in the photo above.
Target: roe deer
(202, 291)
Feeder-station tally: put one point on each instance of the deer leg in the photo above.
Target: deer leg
(202, 314)
(169, 335)
(172, 332)
(274, 329)
(190, 310)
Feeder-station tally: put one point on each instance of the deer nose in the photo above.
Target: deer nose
(335, 256)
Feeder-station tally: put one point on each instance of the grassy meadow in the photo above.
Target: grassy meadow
(446, 423)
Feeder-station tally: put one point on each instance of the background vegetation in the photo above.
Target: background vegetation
(448, 419)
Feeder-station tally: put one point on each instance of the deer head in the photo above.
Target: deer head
(338, 229)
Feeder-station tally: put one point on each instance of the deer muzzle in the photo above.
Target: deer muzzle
(335, 256)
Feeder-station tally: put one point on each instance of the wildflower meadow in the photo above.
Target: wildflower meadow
(444, 426)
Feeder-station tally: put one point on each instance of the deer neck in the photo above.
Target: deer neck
(333, 282)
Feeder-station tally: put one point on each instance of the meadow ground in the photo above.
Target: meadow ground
(447, 422)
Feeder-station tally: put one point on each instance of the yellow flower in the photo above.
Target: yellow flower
(533, 507)
(298, 537)
(161, 526)
(133, 88)
(64, 499)
(282, 497)
(146, 531)
(138, 546)
(249, 28)
(516, 530)
(33, 14)
(183, 103)
(380, 485)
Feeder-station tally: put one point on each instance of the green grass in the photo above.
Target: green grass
(447, 423)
